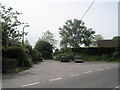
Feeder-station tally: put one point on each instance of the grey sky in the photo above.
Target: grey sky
(43, 15)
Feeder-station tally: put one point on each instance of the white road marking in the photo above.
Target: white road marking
(30, 84)
(100, 69)
(88, 72)
(118, 86)
(58, 78)
(55, 79)
(74, 75)
(52, 79)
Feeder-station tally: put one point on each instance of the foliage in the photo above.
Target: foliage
(8, 64)
(96, 39)
(36, 56)
(9, 22)
(64, 52)
(56, 52)
(98, 53)
(49, 37)
(95, 50)
(70, 55)
(74, 33)
(45, 48)
(28, 48)
(17, 54)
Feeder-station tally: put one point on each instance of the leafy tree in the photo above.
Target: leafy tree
(36, 56)
(96, 39)
(9, 22)
(49, 37)
(88, 35)
(74, 33)
(28, 48)
(45, 48)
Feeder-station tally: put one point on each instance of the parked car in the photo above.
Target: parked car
(78, 59)
(64, 59)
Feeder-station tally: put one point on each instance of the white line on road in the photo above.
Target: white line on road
(52, 79)
(116, 88)
(58, 78)
(55, 79)
(88, 72)
(30, 84)
(100, 69)
(74, 75)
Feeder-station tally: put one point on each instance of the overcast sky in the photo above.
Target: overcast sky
(43, 15)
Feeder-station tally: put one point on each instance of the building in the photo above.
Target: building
(107, 43)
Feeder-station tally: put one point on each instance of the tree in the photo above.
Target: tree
(49, 37)
(28, 48)
(88, 35)
(96, 39)
(74, 33)
(9, 22)
(45, 48)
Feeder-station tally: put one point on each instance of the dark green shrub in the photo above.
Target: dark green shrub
(8, 64)
(18, 54)
(95, 50)
(36, 56)
(69, 55)
(105, 57)
(56, 52)
(28, 50)
(45, 48)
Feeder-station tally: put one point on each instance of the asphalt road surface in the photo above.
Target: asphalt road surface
(54, 74)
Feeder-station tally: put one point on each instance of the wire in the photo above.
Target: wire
(87, 9)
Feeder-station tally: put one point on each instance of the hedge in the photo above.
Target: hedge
(18, 54)
(95, 50)
(8, 64)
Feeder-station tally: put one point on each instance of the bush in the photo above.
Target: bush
(18, 54)
(56, 52)
(36, 56)
(106, 57)
(94, 50)
(45, 48)
(28, 50)
(69, 55)
(8, 64)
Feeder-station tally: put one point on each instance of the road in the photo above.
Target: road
(54, 74)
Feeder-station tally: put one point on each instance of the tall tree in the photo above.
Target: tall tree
(74, 33)
(49, 37)
(9, 22)
(88, 35)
